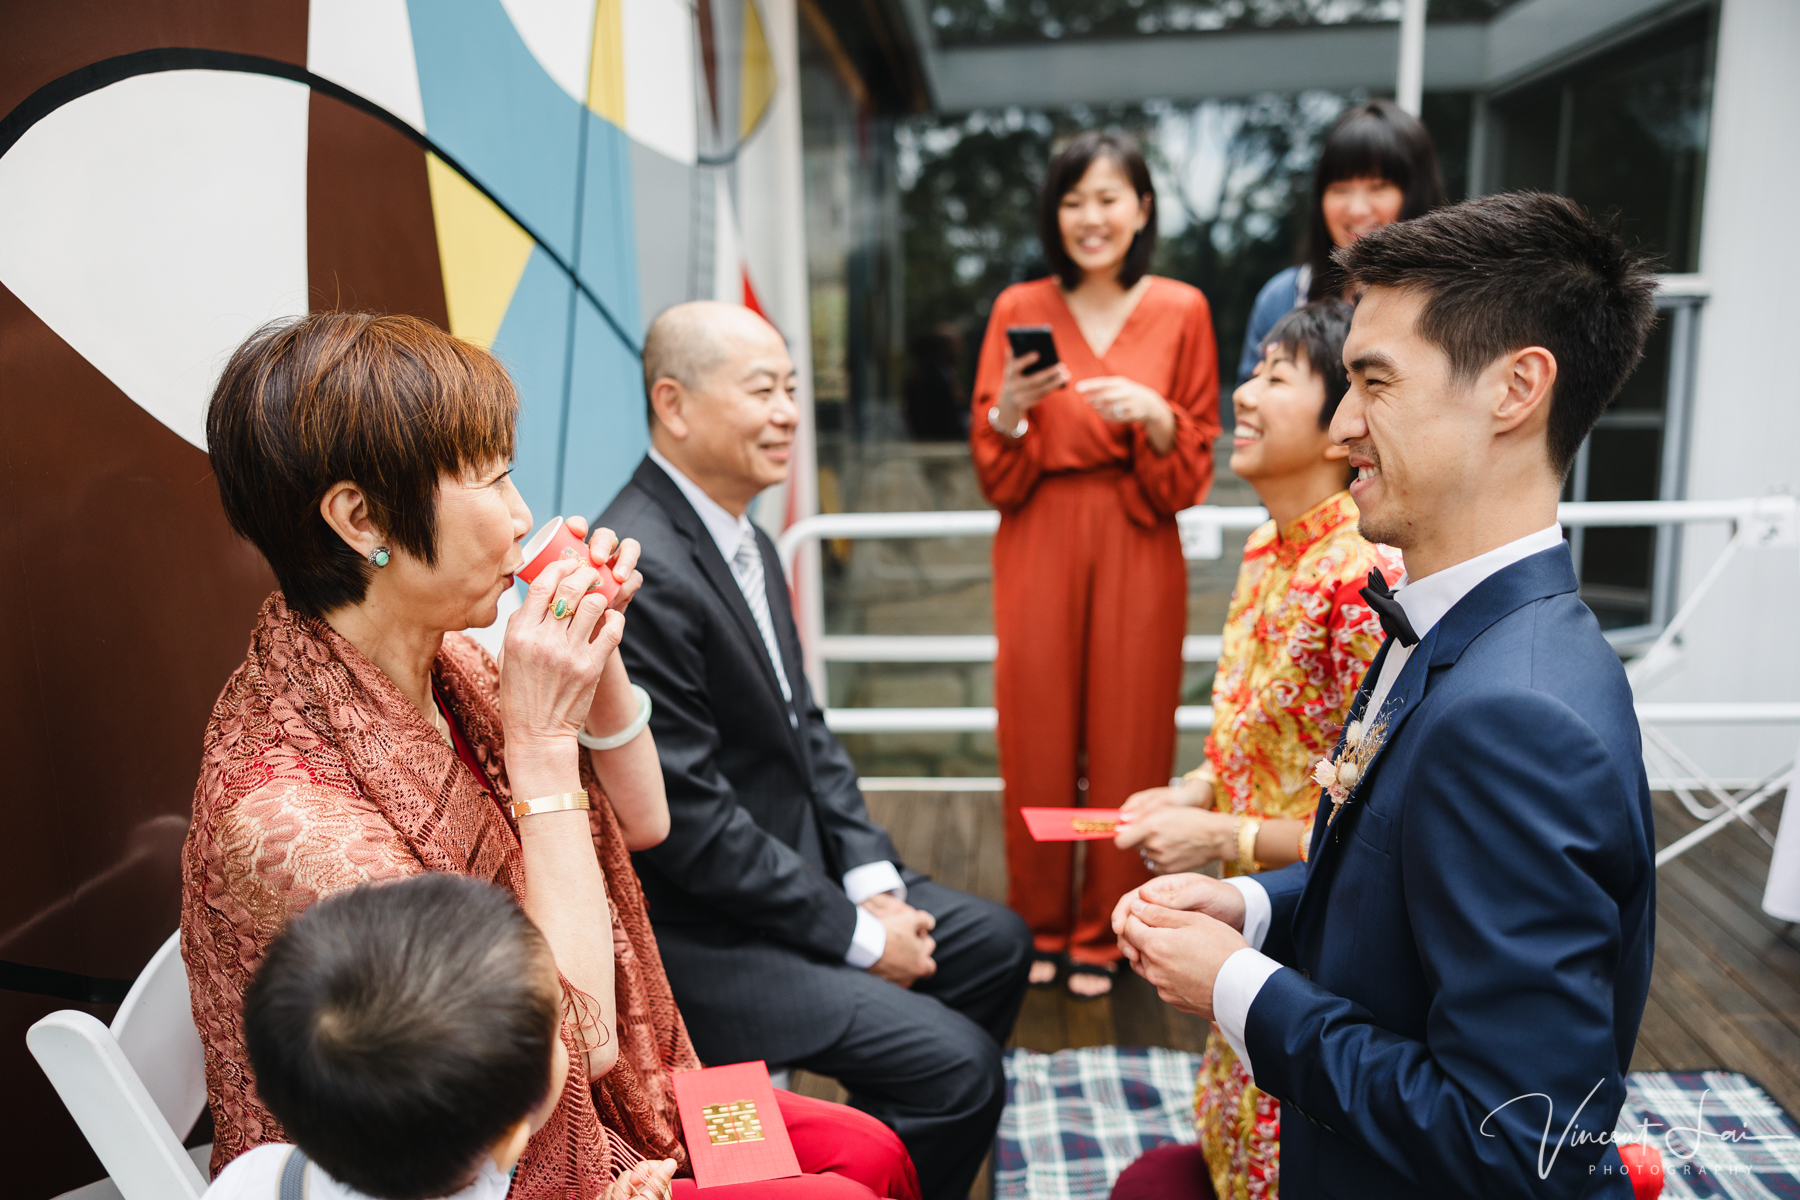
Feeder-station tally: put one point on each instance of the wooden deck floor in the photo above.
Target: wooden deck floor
(1725, 992)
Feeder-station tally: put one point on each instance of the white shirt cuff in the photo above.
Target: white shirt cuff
(1234, 991)
(872, 879)
(1257, 914)
(868, 942)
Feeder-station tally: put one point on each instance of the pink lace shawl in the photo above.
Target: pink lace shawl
(318, 774)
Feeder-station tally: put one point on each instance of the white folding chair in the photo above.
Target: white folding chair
(135, 1089)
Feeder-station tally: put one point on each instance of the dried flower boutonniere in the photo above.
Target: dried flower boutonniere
(1339, 776)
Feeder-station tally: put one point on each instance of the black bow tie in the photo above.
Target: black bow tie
(1393, 618)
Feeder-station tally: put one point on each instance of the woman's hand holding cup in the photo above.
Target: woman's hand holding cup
(615, 704)
(557, 646)
(614, 558)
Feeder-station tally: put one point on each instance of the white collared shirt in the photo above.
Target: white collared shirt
(870, 879)
(1425, 601)
(727, 531)
(256, 1175)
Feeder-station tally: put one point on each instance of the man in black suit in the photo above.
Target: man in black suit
(789, 928)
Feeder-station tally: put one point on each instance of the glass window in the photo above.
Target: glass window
(1624, 132)
(1629, 457)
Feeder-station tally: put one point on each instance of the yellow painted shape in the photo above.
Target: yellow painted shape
(481, 250)
(606, 68)
(758, 72)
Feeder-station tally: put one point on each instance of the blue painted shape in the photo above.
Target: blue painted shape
(608, 262)
(608, 431)
(491, 107)
(533, 343)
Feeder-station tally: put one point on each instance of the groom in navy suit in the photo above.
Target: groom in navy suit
(1445, 997)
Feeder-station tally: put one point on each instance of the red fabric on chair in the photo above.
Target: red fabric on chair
(845, 1154)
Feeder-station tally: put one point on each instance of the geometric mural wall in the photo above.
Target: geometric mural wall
(576, 155)
(538, 176)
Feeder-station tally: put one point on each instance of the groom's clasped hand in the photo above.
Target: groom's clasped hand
(1177, 931)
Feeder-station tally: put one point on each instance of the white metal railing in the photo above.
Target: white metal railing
(1768, 521)
(1758, 521)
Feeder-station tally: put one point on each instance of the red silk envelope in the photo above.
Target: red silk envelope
(1071, 824)
(734, 1129)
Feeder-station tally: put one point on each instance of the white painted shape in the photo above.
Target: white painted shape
(728, 258)
(659, 76)
(367, 46)
(155, 223)
(560, 35)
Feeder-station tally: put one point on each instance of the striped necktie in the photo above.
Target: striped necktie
(747, 569)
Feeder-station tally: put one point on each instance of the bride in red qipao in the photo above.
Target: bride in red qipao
(365, 737)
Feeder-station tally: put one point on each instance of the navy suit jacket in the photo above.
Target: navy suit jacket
(1476, 925)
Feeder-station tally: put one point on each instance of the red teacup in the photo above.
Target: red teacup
(557, 541)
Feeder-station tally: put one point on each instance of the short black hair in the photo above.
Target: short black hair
(1374, 140)
(398, 1030)
(1522, 269)
(1066, 170)
(1319, 329)
(388, 402)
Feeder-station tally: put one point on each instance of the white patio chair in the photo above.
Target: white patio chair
(135, 1089)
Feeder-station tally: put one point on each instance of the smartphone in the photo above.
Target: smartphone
(1026, 338)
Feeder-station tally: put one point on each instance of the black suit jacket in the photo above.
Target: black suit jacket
(765, 813)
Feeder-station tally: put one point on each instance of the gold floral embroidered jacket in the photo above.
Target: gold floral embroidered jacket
(1298, 639)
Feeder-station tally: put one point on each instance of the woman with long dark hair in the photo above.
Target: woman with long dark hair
(1377, 166)
(1088, 462)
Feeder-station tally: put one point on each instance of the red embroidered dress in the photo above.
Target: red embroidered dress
(1298, 639)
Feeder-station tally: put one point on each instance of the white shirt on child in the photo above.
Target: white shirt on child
(256, 1175)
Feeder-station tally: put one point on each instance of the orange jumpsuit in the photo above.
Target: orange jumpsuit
(1090, 590)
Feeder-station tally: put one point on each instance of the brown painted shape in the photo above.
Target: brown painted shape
(125, 601)
(40, 42)
(709, 58)
(370, 240)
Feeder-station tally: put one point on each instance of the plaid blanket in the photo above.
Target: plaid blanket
(1076, 1118)
(1719, 1134)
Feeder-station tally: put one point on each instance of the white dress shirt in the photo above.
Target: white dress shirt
(870, 879)
(1425, 602)
(256, 1175)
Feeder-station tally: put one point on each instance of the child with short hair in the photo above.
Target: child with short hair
(407, 1037)
(1298, 639)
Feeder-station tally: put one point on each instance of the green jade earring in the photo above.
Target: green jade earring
(379, 556)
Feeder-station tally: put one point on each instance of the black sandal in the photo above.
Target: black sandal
(1056, 958)
(1111, 972)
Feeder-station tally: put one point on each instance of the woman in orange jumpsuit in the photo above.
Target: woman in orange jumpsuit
(1088, 463)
